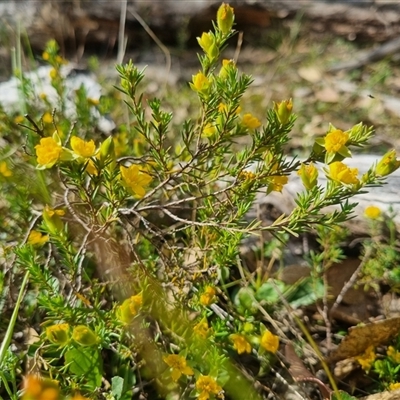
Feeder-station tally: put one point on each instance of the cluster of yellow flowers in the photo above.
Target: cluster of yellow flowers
(268, 342)
(208, 296)
(206, 385)
(50, 151)
(60, 334)
(335, 143)
(367, 358)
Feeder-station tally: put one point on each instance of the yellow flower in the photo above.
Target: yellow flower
(120, 143)
(47, 118)
(226, 66)
(367, 358)
(209, 130)
(129, 308)
(250, 122)
(48, 152)
(135, 179)
(222, 108)
(283, 110)
(393, 354)
(36, 388)
(208, 296)
(309, 175)
(207, 43)
(91, 168)
(4, 170)
(394, 386)
(336, 140)
(206, 386)
(225, 18)
(240, 343)
(53, 73)
(81, 148)
(58, 334)
(178, 366)
(247, 176)
(51, 213)
(270, 342)
(45, 56)
(52, 220)
(387, 164)
(372, 212)
(37, 238)
(200, 83)
(340, 172)
(202, 329)
(18, 119)
(277, 182)
(84, 336)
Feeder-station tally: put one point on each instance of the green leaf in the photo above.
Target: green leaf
(307, 292)
(270, 291)
(244, 300)
(85, 362)
(345, 152)
(117, 387)
(341, 395)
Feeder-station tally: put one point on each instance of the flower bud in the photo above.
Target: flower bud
(128, 310)
(308, 175)
(200, 83)
(225, 18)
(84, 336)
(283, 110)
(107, 152)
(213, 52)
(387, 164)
(206, 41)
(248, 327)
(58, 334)
(208, 296)
(52, 220)
(226, 66)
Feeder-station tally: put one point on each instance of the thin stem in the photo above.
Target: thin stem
(10, 329)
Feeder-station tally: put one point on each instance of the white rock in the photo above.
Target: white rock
(12, 95)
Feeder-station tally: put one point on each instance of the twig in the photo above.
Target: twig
(369, 56)
(163, 48)
(350, 283)
(121, 32)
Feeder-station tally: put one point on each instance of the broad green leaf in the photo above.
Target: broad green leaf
(85, 362)
(117, 387)
(270, 291)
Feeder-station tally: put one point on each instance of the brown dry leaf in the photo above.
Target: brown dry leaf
(361, 337)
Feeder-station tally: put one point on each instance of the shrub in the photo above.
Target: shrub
(124, 250)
